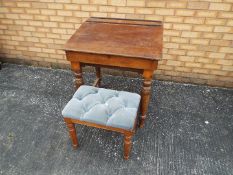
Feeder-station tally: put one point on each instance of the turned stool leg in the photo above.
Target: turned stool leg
(72, 133)
(127, 146)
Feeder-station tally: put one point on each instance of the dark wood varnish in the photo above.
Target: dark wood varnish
(116, 43)
(128, 38)
(127, 133)
(127, 146)
(72, 132)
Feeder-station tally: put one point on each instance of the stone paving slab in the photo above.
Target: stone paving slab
(189, 129)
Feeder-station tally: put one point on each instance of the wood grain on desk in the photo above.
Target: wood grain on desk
(127, 38)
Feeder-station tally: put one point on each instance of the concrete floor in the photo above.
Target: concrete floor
(189, 129)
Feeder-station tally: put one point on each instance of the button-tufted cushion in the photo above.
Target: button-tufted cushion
(103, 106)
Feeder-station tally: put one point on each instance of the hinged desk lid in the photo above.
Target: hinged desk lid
(120, 37)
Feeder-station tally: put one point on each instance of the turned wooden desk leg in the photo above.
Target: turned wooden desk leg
(72, 132)
(77, 69)
(127, 145)
(145, 94)
(98, 75)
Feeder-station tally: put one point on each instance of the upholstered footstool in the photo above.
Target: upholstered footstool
(103, 108)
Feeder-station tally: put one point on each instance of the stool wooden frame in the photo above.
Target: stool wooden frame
(127, 133)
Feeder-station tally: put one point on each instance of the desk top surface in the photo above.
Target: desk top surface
(119, 37)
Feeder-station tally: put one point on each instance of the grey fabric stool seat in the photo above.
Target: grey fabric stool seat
(103, 108)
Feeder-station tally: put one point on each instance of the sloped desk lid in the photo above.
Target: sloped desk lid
(120, 37)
